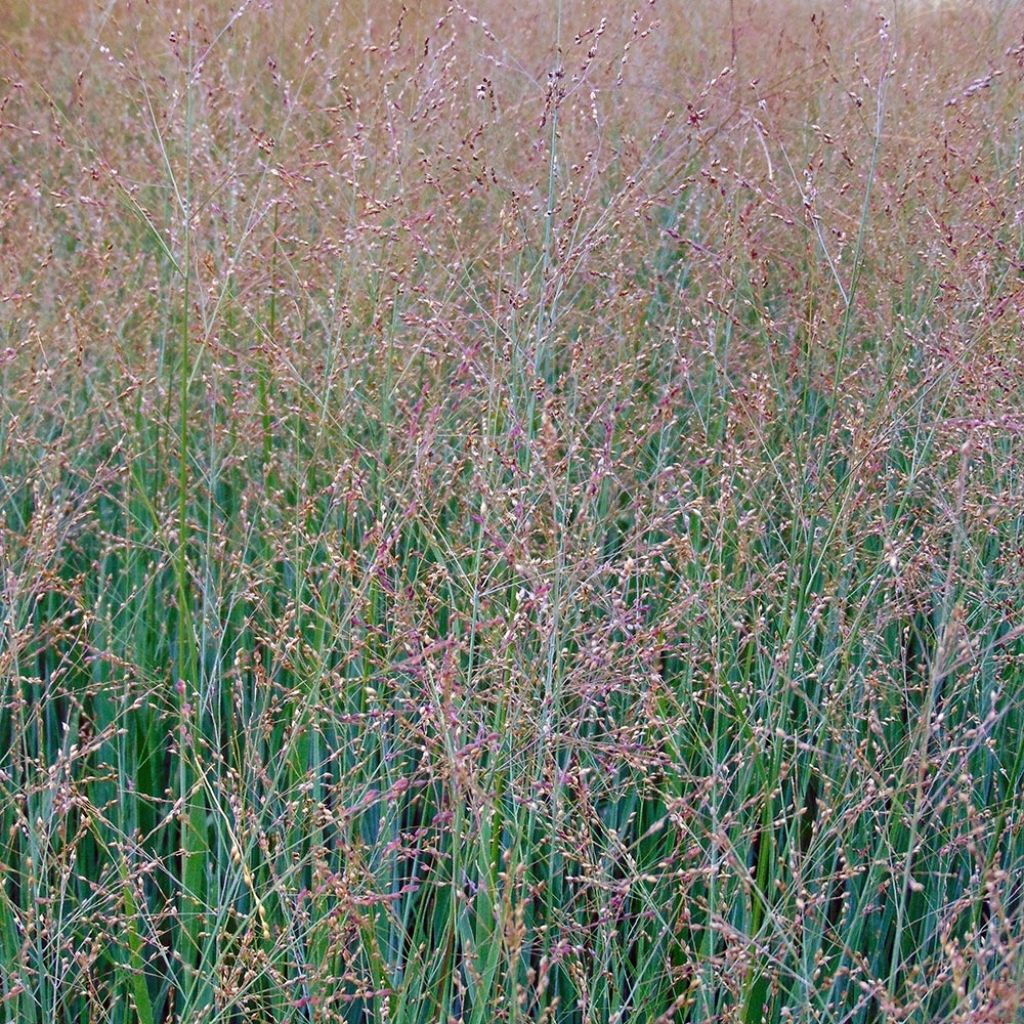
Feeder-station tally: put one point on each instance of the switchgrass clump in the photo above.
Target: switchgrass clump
(511, 512)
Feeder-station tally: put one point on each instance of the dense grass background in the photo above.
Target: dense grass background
(511, 512)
